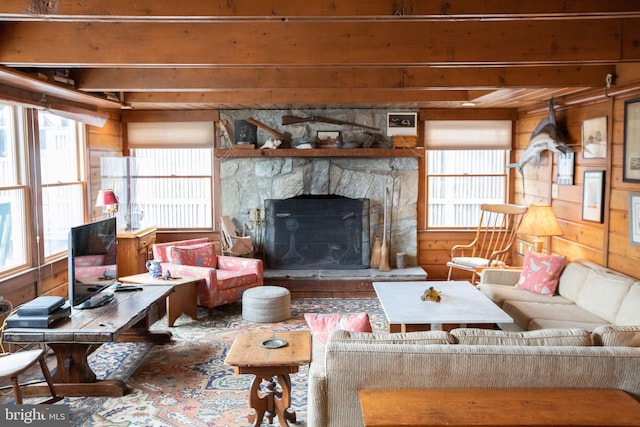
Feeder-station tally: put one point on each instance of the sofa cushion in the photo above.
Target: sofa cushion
(629, 312)
(617, 336)
(572, 279)
(602, 294)
(535, 324)
(322, 325)
(547, 337)
(160, 249)
(421, 337)
(227, 279)
(523, 312)
(201, 255)
(501, 293)
(540, 273)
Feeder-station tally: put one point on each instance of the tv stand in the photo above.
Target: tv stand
(97, 300)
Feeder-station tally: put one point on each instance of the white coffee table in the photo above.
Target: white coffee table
(462, 305)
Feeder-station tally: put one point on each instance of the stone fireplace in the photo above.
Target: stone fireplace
(249, 180)
(317, 231)
(247, 183)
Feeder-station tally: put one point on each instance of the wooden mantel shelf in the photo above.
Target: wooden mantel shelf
(225, 153)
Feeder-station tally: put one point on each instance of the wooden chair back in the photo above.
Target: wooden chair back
(494, 237)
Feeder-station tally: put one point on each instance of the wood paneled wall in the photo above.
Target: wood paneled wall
(604, 243)
(101, 142)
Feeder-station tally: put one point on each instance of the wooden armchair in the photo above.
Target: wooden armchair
(494, 237)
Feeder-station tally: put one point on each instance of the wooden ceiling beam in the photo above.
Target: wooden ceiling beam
(225, 78)
(126, 10)
(296, 97)
(549, 42)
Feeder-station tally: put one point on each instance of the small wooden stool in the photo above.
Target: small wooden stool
(266, 304)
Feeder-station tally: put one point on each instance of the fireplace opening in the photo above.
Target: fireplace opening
(317, 232)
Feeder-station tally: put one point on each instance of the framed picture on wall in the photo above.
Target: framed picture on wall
(402, 124)
(565, 168)
(592, 196)
(594, 138)
(634, 218)
(631, 152)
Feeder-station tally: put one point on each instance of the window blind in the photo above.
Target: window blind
(468, 134)
(170, 134)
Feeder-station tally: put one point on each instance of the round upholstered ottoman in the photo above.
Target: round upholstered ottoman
(265, 304)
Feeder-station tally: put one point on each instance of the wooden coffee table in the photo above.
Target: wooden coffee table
(499, 407)
(183, 300)
(249, 356)
(461, 305)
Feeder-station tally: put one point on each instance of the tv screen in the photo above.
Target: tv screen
(92, 263)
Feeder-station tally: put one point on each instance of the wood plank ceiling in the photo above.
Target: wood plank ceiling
(151, 54)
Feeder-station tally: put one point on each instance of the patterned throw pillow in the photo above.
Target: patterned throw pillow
(202, 255)
(540, 273)
(322, 325)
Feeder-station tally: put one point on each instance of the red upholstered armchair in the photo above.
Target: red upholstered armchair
(225, 277)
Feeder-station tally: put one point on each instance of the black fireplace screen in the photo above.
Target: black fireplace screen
(317, 231)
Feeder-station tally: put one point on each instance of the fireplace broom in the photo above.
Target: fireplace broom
(384, 250)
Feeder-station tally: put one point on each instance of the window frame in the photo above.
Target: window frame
(27, 156)
(80, 139)
(19, 155)
(207, 178)
(458, 144)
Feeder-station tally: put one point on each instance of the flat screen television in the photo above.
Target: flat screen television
(92, 263)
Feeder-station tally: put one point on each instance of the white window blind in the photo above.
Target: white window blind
(170, 134)
(468, 134)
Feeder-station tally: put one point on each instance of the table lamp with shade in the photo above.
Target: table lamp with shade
(108, 200)
(540, 221)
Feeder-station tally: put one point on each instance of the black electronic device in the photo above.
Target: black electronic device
(39, 321)
(127, 288)
(92, 263)
(41, 306)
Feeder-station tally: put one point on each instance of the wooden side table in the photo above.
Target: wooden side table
(135, 249)
(499, 407)
(183, 300)
(249, 356)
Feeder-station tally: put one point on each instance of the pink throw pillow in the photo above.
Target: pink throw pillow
(540, 273)
(322, 325)
(202, 255)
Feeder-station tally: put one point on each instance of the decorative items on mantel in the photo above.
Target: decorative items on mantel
(318, 128)
(224, 153)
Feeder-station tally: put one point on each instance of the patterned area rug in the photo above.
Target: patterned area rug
(186, 382)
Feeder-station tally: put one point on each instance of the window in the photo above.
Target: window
(61, 174)
(466, 167)
(173, 187)
(173, 177)
(13, 191)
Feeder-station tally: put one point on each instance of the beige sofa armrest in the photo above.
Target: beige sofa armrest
(500, 276)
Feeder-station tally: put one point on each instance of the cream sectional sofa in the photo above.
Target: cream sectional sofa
(608, 357)
(588, 296)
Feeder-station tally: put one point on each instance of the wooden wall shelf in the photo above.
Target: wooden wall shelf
(226, 153)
